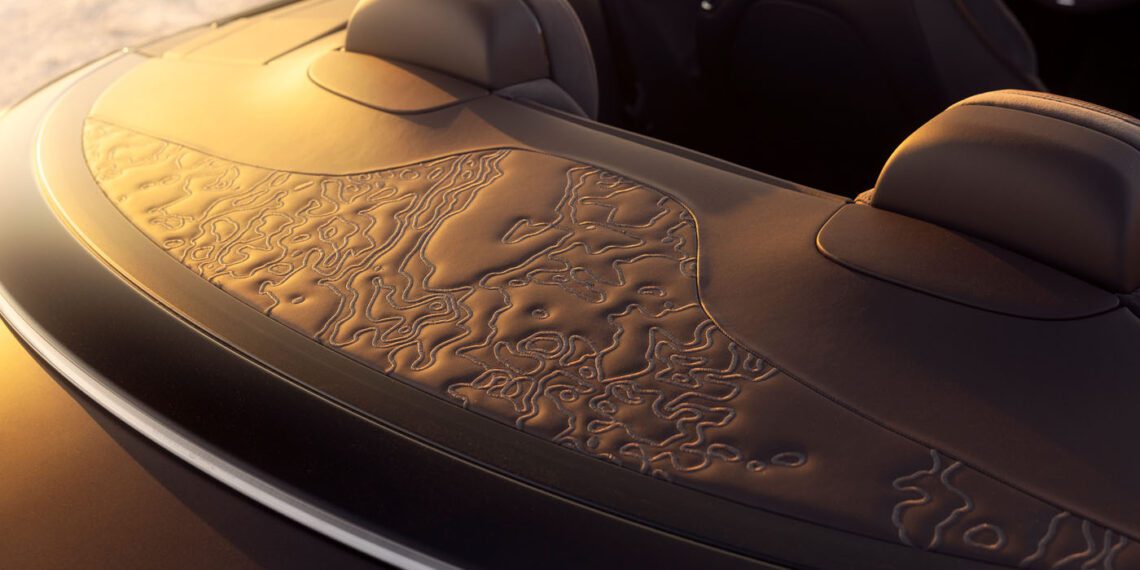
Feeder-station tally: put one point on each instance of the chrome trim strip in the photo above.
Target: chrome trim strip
(223, 470)
(257, 489)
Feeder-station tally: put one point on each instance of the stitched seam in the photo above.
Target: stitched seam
(993, 105)
(1086, 105)
(1066, 101)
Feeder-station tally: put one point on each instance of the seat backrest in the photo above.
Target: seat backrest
(819, 91)
(837, 84)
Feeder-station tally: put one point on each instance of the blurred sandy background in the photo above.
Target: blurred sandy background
(42, 39)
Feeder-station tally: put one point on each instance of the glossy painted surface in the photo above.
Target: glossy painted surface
(354, 449)
(78, 489)
(239, 422)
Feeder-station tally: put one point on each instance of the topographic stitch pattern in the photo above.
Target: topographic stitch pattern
(363, 263)
(1065, 542)
(562, 299)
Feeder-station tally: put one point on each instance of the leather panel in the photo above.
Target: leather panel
(492, 43)
(564, 299)
(927, 258)
(1052, 178)
(1047, 405)
(389, 86)
(569, 52)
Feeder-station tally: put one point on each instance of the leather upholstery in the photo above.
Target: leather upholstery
(924, 257)
(920, 421)
(1053, 178)
(821, 91)
(563, 299)
(567, 47)
(387, 85)
(492, 43)
(495, 44)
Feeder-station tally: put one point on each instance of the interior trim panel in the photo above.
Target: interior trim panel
(414, 302)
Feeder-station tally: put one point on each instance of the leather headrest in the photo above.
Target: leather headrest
(1084, 5)
(1049, 177)
(495, 44)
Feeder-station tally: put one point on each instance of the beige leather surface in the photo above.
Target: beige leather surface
(569, 51)
(389, 86)
(250, 114)
(540, 272)
(1052, 178)
(563, 299)
(492, 43)
(955, 267)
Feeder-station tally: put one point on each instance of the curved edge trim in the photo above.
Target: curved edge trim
(862, 269)
(451, 91)
(185, 448)
(226, 472)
